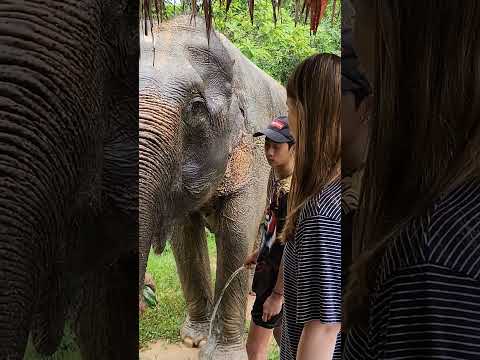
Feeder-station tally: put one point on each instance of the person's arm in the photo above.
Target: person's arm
(273, 305)
(317, 336)
(319, 296)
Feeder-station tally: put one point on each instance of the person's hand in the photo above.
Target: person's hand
(251, 260)
(272, 306)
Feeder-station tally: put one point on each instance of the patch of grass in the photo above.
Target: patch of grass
(164, 322)
(274, 353)
(68, 349)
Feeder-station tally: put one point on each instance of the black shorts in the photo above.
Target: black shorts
(257, 312)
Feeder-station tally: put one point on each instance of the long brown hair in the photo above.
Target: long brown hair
(315, 89)
(425, 129)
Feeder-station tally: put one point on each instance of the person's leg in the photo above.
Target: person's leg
(277, 334)
(258, 342)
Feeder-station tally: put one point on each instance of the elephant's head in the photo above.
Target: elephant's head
(68, 80)
(190, 120)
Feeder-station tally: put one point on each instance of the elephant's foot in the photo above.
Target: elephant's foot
(214, 351)
(194, 333)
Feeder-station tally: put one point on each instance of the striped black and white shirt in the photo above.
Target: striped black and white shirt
(426, 303)
(312, 270)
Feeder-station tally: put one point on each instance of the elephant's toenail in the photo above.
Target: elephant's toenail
(202, 343)
(188, 342)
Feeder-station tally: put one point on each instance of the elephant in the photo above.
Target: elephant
(69, 176)
(200, 102)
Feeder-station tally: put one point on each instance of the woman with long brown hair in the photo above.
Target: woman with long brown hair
(312, 255)
(414, 291)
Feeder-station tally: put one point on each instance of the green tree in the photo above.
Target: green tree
(276, 49)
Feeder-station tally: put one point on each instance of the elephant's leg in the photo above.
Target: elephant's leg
(121, 301)
(189, 244)
(237, 228)
(105, 319)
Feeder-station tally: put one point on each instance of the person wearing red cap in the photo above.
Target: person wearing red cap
(267, 281)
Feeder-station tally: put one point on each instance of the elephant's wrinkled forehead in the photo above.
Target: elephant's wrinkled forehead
(165, 72)
(183, 62)
(172, 86)
(170, 41)
(167, 52)
(178, 61)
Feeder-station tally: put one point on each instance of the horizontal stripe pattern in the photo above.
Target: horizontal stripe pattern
(312, 270)
(426, 303)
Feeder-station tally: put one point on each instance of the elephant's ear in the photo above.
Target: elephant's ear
(238, 172)
(242, 152)
(215, 67)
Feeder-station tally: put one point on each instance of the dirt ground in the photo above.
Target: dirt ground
(161, 350)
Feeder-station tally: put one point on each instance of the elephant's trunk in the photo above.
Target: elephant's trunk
(17, 290)
(159, 162)
(43, 149)
(22, 254)
(33, 182)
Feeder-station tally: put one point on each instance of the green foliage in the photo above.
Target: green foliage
(276, 49)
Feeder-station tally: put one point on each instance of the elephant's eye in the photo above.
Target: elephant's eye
(198, 104)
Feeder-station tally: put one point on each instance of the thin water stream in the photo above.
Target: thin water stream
(215, 309)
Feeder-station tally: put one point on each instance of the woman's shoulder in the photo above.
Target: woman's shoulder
(454, 230)
(327, 203)
(447, 235)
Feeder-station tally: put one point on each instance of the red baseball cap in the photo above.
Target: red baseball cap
(278, 131)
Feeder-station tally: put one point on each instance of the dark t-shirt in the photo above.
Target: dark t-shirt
(271, 249)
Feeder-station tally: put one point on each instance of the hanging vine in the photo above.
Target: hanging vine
(312, 9)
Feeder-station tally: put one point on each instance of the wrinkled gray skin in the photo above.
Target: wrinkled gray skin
(201, 167)
(68, 175)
